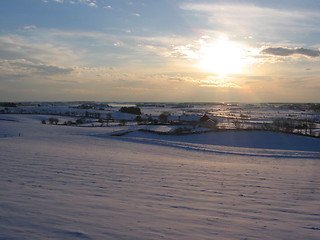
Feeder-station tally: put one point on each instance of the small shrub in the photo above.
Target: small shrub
(80, 121)
(132, 110)
(123, 122)
(53, 120)
(109, 116)
(163, 118)
(150, 119)
(237, 123)
(139, 119)
(8, 104)
(68, 123)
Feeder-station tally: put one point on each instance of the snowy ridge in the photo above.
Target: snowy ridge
(252, 143)
(61, 182)
(229, 150)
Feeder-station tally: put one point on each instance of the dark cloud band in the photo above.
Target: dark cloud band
(284, 52)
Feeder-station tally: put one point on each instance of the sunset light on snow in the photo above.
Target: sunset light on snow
(160, 119)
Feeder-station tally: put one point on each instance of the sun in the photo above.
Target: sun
(222, 58)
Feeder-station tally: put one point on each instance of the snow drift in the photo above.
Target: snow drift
(62, 182)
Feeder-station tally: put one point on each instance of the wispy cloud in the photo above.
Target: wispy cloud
(90, 3)
(35, 49)
(263, 23)
(245, 13)
(23, 66)
(29, 27)
(117, 49)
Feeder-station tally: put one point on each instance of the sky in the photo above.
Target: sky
(160, 50)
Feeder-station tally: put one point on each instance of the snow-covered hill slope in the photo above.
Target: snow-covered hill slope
(251, 143)
(59, 182)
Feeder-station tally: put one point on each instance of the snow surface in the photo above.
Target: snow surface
(259, 143)
(60, 182)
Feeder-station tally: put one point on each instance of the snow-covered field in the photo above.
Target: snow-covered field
(60, 182)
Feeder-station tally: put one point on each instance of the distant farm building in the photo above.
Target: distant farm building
(207, 122)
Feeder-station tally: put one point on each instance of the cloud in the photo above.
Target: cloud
(28, 68)
(29, 27)
(69, 48)
(90, 3)
(39, 47)
(66, 81)
(284, 52)
(244, 13)
(261, 23)
(120, 50)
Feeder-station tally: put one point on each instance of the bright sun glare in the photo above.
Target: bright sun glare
(222, 57)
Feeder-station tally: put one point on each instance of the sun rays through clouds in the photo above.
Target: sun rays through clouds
(178, 50)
